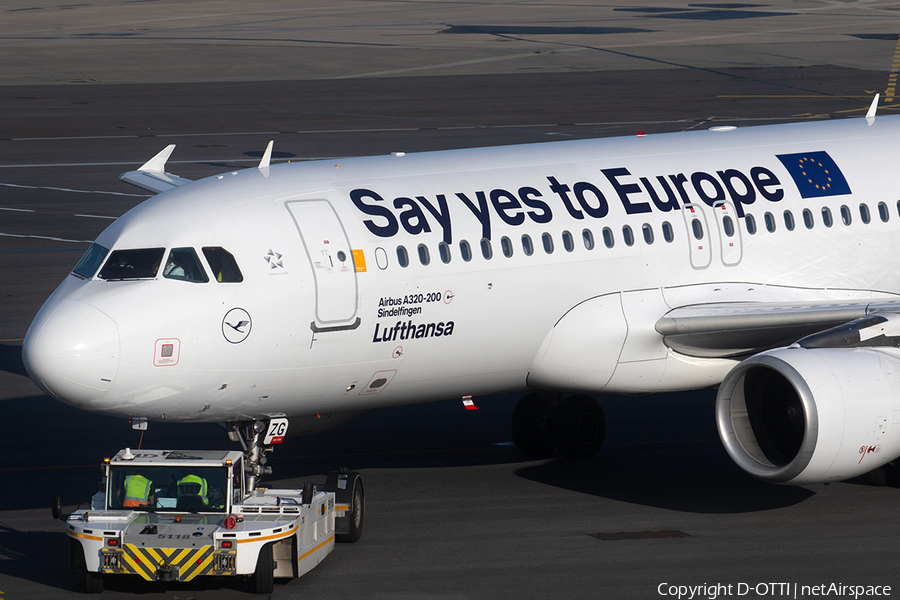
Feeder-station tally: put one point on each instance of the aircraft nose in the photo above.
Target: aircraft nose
(71, 351)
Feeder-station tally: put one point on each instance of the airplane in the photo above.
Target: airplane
(757, 259)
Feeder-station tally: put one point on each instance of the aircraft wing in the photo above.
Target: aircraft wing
(152, 175)
(733, 329)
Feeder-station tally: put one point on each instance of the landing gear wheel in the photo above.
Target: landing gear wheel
(531, 429)
(264, 578)
(579, 427)
(85, 581)
(357, 512)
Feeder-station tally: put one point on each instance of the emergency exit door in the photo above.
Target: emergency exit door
(330, 256)
(698, 236)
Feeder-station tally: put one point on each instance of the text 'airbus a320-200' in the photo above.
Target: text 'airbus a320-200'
(755, 259)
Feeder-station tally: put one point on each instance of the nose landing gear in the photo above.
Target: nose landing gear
(251, 435)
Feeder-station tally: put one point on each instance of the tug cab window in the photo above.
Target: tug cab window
(223, 265)
(141, 263)
(168, 488)
(184, 265)
(91, 261)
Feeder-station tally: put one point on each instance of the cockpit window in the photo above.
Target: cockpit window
(91, 261)
(142, 263)
(223, 265)
(184, 265)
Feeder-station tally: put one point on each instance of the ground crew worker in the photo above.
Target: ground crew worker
(137, 491)
(192, 485)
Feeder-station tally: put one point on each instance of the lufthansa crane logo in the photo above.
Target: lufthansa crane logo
(236, 325)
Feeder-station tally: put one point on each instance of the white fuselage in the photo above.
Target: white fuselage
(326, 335)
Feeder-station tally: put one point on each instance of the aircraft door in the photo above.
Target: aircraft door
(331, 258)
(698, 236)
(729, 233)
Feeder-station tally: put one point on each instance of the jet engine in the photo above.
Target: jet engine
(807, 414)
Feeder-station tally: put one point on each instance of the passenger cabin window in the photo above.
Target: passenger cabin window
(444, 250)
(465, 250)
(587, 237)
(697, 228)
(224, 267)
(402, 256)
(91, 261)
(568, 241)
(628, 235)
(547, 241)
(883, 212)
(506, 246)
(827, 220)
(750, 222)
(846, 217)
(486, 250)
(668, 232)
(647, 230)
(864, 213)
(770, 222)
(132, 264)
(527, 245)
(608, 239)
(808, 218)
(728, 225)
(789, 220)
(184, 265)
(424, 255)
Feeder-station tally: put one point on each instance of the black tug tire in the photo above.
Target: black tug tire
(93, 583)
(85, 581)
(579, 427)
(264, 577)
(356, 514)
(309, 490)
(531, 430)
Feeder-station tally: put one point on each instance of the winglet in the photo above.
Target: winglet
(157, 164)
(267, 156)
(872, 108)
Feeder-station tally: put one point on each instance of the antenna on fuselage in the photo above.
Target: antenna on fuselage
(870, 116)
(267, 156)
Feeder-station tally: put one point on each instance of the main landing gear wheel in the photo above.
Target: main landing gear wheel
(579, 427)
(357, 511)
(531, 430)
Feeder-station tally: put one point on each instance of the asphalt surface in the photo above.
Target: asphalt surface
(91, 90)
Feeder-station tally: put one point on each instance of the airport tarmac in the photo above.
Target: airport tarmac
(91, 90)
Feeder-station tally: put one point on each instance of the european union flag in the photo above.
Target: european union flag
(815, 174)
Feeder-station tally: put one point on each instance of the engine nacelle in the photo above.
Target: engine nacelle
(797, 415)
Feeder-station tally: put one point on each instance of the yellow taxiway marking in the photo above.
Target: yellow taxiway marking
(892, 78)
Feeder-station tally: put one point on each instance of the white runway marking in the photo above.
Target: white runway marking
(44, 237)
(57, 189)
(96, 217)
